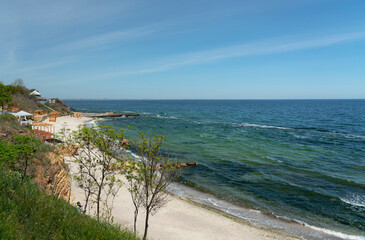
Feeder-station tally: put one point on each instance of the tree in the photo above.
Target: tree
(96, 159)
(132, 172)
(154, 172)
(5, 95)
(25, 148)
(18, 83)
(19, 154)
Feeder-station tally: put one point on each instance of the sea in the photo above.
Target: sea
(292, 165)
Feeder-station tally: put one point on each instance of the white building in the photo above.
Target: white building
(35, 93)
(23, 117)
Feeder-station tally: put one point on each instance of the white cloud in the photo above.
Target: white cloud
(104, 39)
(258, 48)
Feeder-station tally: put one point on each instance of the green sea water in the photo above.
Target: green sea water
(301, 160)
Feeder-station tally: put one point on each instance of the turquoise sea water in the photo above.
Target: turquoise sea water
(302, 160)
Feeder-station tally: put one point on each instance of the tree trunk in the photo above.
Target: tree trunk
(98, 204)
(69, 190)
(87, 200)
(25, 169)
(146, 224)
(135, 221)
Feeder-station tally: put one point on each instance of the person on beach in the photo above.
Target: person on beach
(79, 208)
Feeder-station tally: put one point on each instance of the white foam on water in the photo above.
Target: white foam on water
(256, 217)
(245, 125)
(92, 124)
(263, 126)
(346, 135)
(335, 233)
(354, 200)
(167, 117)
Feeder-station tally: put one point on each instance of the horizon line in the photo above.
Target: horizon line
(206, 99)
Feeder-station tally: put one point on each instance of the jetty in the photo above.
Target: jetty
(110, 114)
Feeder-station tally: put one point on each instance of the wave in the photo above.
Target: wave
(354, 200)
(245, 125)
(334, 233)
(347, 135)
(263, 126)
(165, 117)
(92, 123)
(259, 218)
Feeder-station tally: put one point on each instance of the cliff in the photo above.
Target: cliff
(53, 176)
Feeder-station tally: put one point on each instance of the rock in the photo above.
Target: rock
(124, 143)
(77, 115)
(69, 151)
(183, 165)
(191, 164)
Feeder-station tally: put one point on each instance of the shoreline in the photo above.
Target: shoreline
(259, 230)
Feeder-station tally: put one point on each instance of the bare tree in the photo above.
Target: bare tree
(154, 172)
(96, 158)
(18, 83)
(87, 185)
(132, 173)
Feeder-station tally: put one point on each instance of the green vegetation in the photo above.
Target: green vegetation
(26, 212)
(97, 156)
(16, 95)
(19, 155)
(5, 95)
(96, 165)
(149, 177)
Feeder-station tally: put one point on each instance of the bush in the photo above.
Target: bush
(6, 117)
(26, 212)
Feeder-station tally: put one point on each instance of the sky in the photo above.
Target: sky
(173, 49)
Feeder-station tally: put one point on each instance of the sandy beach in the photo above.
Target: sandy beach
(179, 219)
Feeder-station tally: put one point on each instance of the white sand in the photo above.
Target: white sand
(179, 219)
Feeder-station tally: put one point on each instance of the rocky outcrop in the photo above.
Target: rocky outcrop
(124, 143)
(53, 177)
(69, 151)
(191, 164)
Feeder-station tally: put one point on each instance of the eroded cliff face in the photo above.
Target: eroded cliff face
(53, 177)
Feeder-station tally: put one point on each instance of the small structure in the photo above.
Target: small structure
(53, 116)
(43, 131)
(23, 117)
(40, 115)
(35, 93)
(47, 100)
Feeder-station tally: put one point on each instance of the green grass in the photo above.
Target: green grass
(26, 212)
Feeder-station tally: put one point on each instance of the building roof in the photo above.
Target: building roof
(35, 93)
(22, 113)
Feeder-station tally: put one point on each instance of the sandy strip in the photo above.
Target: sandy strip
(179, 219)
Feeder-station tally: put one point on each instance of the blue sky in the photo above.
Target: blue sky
(259, 49)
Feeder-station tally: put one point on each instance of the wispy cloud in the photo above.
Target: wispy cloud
(271, 46)
(59, 62)
(105, 39)
(257, 48)
(70, 51)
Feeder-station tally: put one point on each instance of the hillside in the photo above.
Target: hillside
(22, 100)
(27, 212)
(34, 189)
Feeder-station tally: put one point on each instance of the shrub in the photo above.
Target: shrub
(26, 212)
